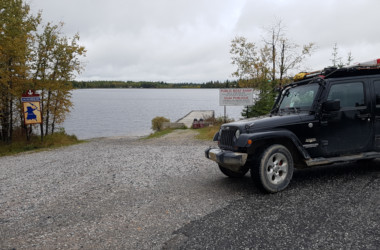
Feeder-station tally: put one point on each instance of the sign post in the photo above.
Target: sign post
(235, 97)
(32, 108)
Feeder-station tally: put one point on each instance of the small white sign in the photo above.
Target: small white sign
(235, 97)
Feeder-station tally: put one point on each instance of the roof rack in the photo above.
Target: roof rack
(364, 68)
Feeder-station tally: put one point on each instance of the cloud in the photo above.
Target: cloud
(164, 40)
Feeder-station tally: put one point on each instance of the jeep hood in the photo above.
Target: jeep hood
(269, 122)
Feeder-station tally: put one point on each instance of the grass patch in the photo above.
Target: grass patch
(207, 133)
(20, 144)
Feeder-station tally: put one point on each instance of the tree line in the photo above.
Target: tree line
(34, 56)
(147, 84)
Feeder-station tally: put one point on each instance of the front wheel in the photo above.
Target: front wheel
(233, 174)
(273, 169)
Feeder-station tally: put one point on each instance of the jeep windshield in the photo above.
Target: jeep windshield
(299, 98)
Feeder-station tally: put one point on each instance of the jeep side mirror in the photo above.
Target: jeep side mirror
(331, 105)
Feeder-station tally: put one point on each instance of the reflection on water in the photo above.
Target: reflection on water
(129, 112)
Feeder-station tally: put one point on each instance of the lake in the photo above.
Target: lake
(129, 112)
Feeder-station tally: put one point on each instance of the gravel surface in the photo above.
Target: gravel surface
(334, 207)
(128, 193)
(108, 193)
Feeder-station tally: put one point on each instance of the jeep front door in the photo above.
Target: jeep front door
(348, 130)
(376, 85)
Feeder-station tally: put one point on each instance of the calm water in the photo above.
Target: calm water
(129, 112)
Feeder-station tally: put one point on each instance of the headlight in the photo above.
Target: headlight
(237, 134)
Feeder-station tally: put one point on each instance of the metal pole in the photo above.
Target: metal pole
(225, 115)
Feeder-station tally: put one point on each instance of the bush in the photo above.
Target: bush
(217, 121)
(157, 123)
(263, 103)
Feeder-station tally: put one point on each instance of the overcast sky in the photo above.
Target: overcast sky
(189, 40)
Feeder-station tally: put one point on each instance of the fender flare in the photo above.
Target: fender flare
(273, 134)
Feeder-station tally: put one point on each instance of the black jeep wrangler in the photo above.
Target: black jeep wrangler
(326, 117)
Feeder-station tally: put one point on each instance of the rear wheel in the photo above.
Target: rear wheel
(273, 169)
(233, 174)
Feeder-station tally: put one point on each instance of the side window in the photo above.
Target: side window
(350, 94)
(377, 92)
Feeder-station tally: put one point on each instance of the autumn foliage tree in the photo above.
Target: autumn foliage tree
(45, 62)
(265, 67)
(16, 36)
(56, 59)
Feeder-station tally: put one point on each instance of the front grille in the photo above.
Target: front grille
(227, 137)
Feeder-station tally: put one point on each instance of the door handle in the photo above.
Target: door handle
(363, 116)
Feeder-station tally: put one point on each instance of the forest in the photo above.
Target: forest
(147, 84)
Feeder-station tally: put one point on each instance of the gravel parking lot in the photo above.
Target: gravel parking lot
(126, 193)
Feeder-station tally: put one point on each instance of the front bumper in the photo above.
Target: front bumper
(228, 159)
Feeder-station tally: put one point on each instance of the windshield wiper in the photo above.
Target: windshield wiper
(289, 109)
(296, 109)
(274, 110)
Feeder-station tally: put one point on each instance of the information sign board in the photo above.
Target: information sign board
(235, 97)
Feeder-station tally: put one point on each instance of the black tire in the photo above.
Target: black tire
(273, 169)
(233, 174)
(367, 160)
